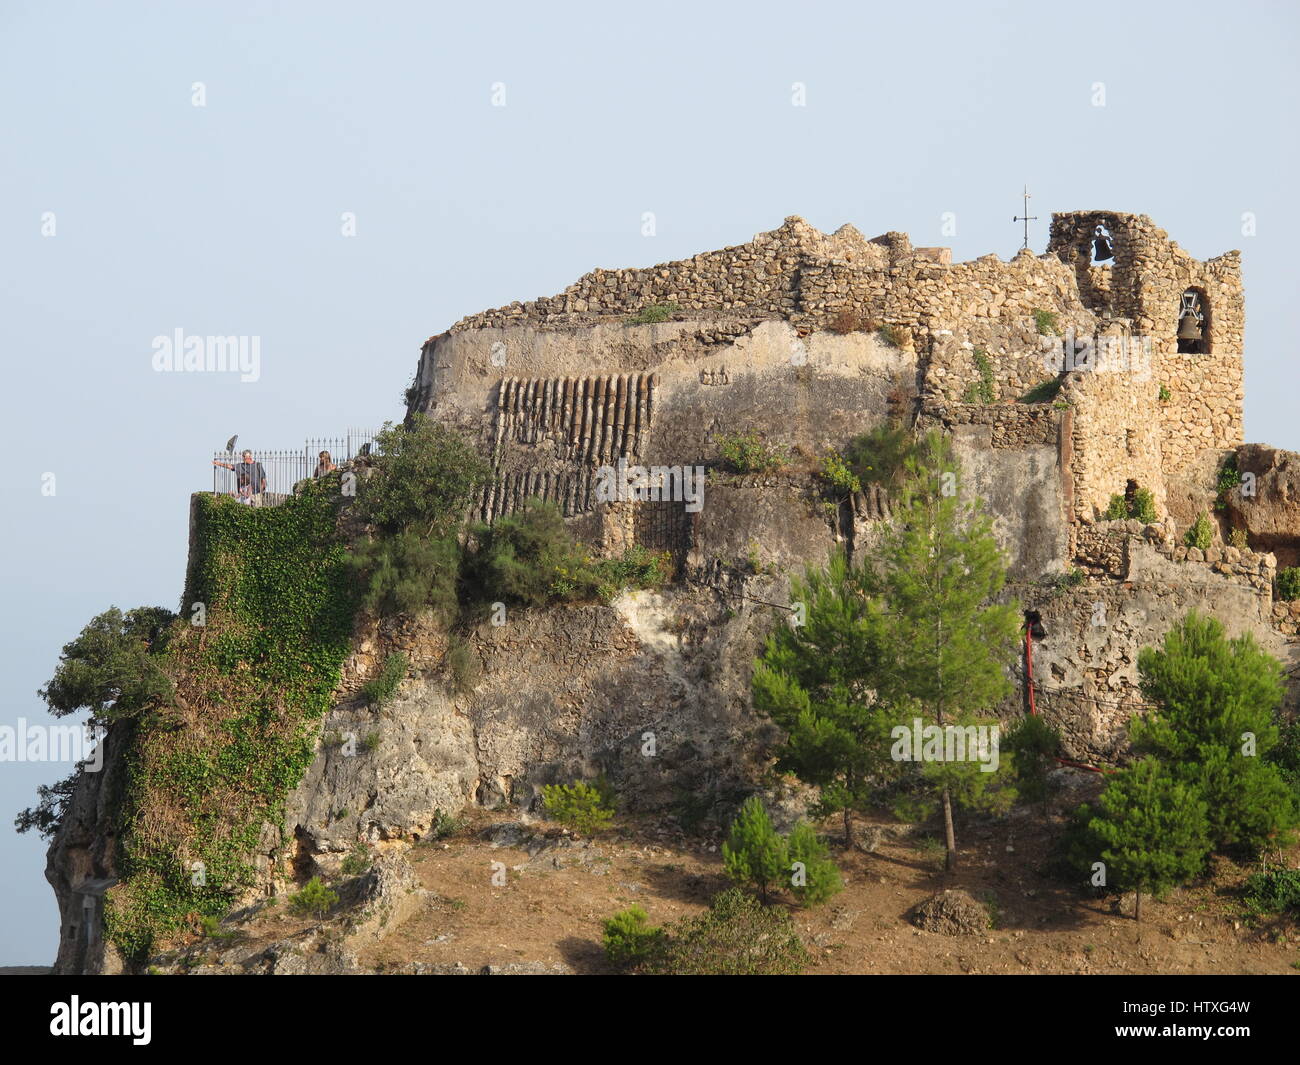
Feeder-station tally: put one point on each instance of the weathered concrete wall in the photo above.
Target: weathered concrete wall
(1021, 490)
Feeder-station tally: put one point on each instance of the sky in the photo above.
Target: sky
(342, 181)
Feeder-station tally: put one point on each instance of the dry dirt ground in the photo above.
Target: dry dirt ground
(527, 896)
(550, 909)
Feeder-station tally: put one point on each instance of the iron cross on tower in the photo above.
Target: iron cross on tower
(1026, 218)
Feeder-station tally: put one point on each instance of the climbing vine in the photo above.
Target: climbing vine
(208, 769)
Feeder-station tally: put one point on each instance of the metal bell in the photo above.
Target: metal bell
(1188, 327)
(1101, 249)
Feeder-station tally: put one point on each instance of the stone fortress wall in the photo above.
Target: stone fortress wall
(783, 336)
(578, 348)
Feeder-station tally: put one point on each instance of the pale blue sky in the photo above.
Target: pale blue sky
(225, 219)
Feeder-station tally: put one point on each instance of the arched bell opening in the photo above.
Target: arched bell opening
(1103, 248)
(1193, 323)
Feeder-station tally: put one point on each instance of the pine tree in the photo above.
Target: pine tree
(938, 568)
(1213, 725)
(817, 681)
(1154, 829)
(754, 852)
(963, 782)
(907, 633)
(814, 877)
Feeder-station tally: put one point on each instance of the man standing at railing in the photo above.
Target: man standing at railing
(250, 478)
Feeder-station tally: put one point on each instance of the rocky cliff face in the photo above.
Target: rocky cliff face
(82, 862)
(653, 690)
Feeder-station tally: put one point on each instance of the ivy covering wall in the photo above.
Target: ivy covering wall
(208, 771)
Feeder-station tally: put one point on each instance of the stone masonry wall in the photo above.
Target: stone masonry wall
(942, 314)
(1116, 438)
(1149, 275)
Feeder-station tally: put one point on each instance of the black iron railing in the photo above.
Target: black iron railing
(284, 469)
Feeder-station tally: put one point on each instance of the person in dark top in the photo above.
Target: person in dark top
(250, 478)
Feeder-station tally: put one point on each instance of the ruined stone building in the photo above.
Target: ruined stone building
(1131, 347)
(809, 339)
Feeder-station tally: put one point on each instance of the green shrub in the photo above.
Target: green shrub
(893, 335)
(314, 900)
(749, 453)
(838, 475)
(1237, 538)
(1164, 395)
(407, 572)
(1200, 535)
(445, 825)
(1229, 479)
(357, 860)
(820, 877)
(527, 557)
(984, 390)
(653, 313)
(423, 477)
(629, 938)
(1142, 507)
(1071, 578)
(738, 936)
(1034, 745)
(462, 664)
(933, 851)
(1288, 583)
(580, 806)
(1286, 754)
(1076, 851)
(531, 558)
(210, 928)
(1045, 322)
(381, 687)
(1044, 391)
(637, 567)
(1275, 891)
(754, 853)
(880, 455)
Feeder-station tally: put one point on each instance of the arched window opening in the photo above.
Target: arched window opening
(1103, 252)
(1192, 339)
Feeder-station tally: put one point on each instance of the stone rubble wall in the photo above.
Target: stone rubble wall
(1015, 356)
(1271, 516)
(940, 311)
(761, 276)
(1148, 278)
(1105, 548)
(1013, 427)
(1116, 438)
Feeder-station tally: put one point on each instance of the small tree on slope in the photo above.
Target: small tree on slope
(1213, 725)
(754, 853)
(1153, 828)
